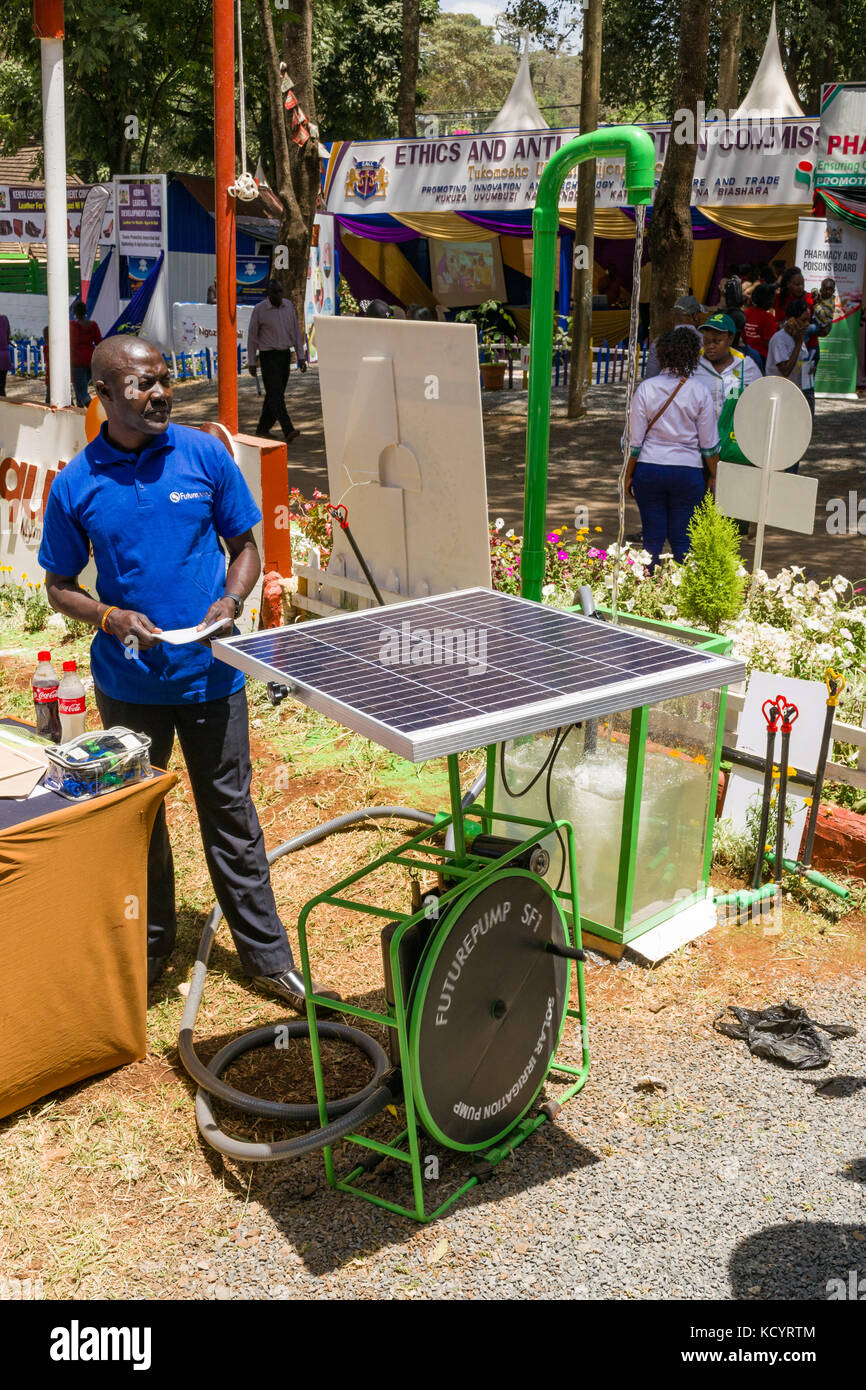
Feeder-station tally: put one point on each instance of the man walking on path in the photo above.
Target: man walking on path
(273, 332)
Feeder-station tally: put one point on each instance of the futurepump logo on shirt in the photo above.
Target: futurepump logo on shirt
(187, 496)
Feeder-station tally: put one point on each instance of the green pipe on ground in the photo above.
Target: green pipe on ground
(639, 152)
(812, 875)
(745, 897)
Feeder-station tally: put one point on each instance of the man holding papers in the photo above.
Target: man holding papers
(155, 501)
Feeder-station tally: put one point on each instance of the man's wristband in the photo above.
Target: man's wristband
(238, 602)
(111, 609)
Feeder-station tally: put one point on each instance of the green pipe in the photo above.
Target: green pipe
(639, 152)
(811, 875)
(744, 897)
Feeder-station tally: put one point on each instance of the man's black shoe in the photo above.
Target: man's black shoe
(292, 434)
(155, 967)
(289, 985)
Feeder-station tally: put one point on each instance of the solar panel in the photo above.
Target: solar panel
(455, 671)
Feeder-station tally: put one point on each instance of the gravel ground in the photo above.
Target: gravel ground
(735, 1179)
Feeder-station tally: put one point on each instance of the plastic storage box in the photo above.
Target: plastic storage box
(95, 763)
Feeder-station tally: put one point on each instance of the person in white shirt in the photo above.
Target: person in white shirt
(722, 369)
(787, 354)
(673, 436)
(272, 333)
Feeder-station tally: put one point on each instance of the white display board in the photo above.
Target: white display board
(194, 326)
(773, 426)
(744, 785)
(401, 404)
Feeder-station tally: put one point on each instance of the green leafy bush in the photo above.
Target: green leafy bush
(35, 611)
(712, 584)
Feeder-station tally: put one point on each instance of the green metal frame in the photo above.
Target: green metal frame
(419, 853)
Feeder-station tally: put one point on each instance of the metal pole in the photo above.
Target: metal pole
(766, 477)
(224, 207)
(48, 24)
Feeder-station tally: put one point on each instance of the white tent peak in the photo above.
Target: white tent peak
(770, 93)
(520, 111)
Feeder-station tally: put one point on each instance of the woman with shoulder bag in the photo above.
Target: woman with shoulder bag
(674, 437)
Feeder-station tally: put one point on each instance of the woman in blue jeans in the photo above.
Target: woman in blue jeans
(674, 436)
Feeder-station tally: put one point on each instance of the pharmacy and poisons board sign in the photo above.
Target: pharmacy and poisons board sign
(830, 248)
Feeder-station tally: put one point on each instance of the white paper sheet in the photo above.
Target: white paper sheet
(177, 636)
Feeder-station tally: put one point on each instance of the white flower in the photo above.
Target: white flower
(498, 524)
(840, 583)
(812, 589)
(629, 604)
(511, 534)
(548, 590)
(676, 579)
(669, 610)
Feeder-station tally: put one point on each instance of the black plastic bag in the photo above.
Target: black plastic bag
(783, 1033)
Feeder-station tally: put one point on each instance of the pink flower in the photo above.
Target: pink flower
(596, 554)
(552, 537)
(562, 554)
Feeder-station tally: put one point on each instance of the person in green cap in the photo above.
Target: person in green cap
(724, 370)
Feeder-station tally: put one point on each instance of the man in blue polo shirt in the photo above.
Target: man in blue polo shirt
(154, 500)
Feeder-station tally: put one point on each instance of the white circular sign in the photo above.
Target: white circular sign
(773, 423)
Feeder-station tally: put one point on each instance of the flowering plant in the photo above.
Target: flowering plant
(310, 524)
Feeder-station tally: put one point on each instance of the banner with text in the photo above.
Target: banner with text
(141, 214)
(841, 161)
(761, 161)
(22, 213)
(320, 295)
(827, 249)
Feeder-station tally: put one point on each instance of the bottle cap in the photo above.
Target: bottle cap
(69, 666)
(43, 656)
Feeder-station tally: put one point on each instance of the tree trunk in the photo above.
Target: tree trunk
(296, 167)
(406, 127)
(729, 57)
(670, 230)
(828, 67)
(584, 234)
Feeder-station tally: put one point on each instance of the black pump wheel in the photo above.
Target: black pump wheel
(488, 1011)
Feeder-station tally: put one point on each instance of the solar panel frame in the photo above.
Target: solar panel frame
(319, 657)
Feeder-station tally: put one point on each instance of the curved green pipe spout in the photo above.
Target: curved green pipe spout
(639, 152)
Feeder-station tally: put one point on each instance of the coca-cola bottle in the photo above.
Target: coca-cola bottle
(70, 694)
(44, 684)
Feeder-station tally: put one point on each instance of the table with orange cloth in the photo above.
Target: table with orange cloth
(73, 936)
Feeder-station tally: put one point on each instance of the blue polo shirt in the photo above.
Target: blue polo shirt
(154, 520)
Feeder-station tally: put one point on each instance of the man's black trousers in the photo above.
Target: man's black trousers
(214, 739)
(275, 365)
